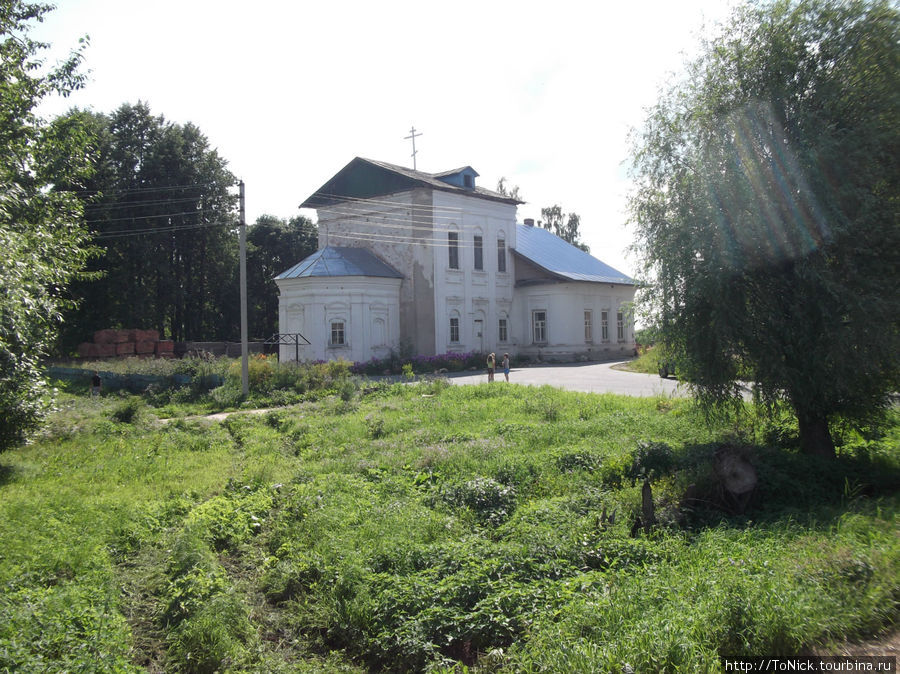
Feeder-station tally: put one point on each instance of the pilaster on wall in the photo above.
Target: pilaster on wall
(417, 318)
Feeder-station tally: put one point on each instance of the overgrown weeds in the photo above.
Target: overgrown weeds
(423, 527)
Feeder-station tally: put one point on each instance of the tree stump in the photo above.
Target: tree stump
(647, 509)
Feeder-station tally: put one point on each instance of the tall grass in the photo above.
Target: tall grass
(422, 527)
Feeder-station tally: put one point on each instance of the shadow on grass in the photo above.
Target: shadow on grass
(73, 387)
(791, 485)
(7, 474)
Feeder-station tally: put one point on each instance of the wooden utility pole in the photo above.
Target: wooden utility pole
(412, 135)
(245, 374)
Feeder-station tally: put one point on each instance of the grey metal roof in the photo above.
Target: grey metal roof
(453, 172)
(368, 178)
(560, 258)
(341, 261)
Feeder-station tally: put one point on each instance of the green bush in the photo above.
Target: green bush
(128, 411)
(230, 519)
(651, 459)
(194, 574)
(214, 638)
(579, 460)
(290, 573)
(490, 501)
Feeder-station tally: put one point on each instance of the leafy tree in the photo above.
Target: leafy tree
(767, 211)
(564, 226)
(41, 228)
(273, 246)
(161, 208)
(511, 191)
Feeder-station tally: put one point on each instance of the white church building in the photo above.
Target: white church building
(431, 263)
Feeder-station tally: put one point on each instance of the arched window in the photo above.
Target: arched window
(378, 332)
(478, 249)
(453, 248)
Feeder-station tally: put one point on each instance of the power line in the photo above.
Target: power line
(421, 218)
(406, 225)
(391, 239)
(383, 202)
(120, 234)
(373, 236)
(105, 193)
(145, 217)
(140, 204)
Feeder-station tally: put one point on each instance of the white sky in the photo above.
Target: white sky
(543, 93)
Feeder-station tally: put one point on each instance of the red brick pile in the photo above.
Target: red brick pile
(112, 343)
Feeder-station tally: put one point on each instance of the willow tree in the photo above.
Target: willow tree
(766, 211)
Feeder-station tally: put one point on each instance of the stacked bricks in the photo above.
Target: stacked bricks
(111, 343)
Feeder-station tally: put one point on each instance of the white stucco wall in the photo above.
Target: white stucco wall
(565, 305)
(368, 306)
(408, 230)
(477, 298)
(398, 229)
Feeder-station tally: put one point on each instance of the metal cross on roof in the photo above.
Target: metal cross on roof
(412, 135)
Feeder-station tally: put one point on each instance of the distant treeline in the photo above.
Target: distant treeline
(162, 209)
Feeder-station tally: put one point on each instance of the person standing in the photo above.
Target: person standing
(505, 365)
(96, 384)
(491, 363)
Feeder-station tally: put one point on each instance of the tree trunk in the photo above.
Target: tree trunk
(815, 438)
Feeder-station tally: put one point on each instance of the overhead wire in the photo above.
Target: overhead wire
(439, 219)
(144, 217)
(130, 190)
(371, 237)
(402, 222)
(160, 230)
(139, 204)
(392, 239)
(438, 241)
(383, 202)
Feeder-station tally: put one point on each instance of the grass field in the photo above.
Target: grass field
(433, 528)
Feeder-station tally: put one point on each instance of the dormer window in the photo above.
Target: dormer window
(462, 177)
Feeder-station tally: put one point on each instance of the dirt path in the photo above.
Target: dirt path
(220, 416)
(886, 645)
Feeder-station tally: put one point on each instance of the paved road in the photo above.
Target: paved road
(587, 377)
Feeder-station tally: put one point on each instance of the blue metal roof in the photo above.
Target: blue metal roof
(546, 250)
(340, 261)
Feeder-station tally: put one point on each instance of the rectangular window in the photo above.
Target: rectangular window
(453, 248)
(604, 326)
(588, 327)
(620, 326)
(501, 254)
(502, 331)
(479, 253)
(337, 333)
(454, 330)
(539, 325)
